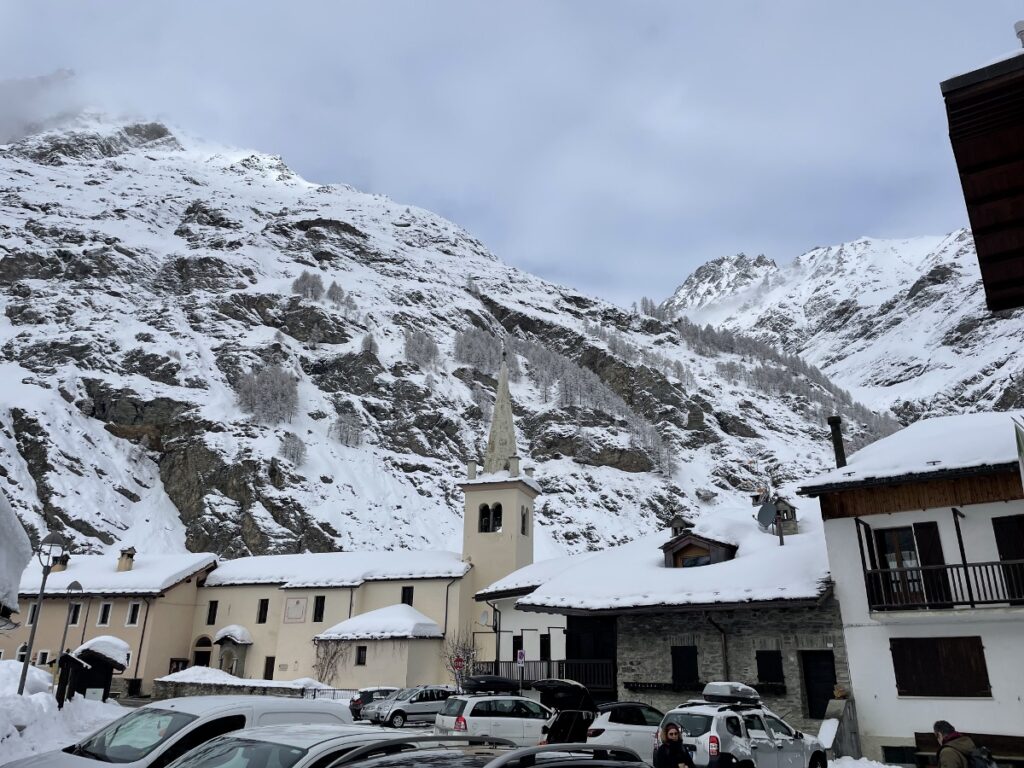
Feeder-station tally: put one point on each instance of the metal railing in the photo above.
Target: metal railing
(596, 674)
(946, 586)
(329, 693)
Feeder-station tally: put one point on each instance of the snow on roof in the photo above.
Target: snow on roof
(337, 569)
(634, 575)
(929, 446)
(98, 574)
(235, 632)
(533, 575)
(220, 677)
(503, 476)
(108, 646)
(399, 620)
(15, 552)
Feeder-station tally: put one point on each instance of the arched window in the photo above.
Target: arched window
(496, 518)
(485, 519)
(524, 521)
(202, 651)
(22, 652)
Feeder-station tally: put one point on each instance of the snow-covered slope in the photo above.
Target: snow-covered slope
(902, 324)
(143, 273)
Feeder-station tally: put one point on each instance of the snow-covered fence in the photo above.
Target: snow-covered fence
(337, 694)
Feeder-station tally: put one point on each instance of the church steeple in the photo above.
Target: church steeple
(501, 443)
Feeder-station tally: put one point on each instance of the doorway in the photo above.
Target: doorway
(202, 651)
(819, 671)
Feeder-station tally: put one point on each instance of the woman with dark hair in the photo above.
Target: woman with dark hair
(671, 753)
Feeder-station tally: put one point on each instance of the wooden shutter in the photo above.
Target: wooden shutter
(940, 666)
(929, 552)
(684, 664)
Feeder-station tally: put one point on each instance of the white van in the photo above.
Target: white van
(155, 735)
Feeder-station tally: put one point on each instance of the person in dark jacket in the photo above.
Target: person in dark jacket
(954, 747)
(671, 753)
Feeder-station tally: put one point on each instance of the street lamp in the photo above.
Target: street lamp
(74, 586)
(51, 548)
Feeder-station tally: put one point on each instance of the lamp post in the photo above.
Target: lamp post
(50, 549)
(74, 586)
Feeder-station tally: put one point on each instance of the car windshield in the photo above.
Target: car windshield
(690, 723)
(403, 694)
(237, 752)
(133, 736)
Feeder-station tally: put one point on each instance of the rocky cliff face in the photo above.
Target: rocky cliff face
(147, 277)
(902, 324)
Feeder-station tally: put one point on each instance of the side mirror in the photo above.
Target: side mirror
(543, 729)
(798, 734)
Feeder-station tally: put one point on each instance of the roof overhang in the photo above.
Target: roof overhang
(501, 594)
(913, 477)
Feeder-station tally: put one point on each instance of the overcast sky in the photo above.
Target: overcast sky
(612, 147)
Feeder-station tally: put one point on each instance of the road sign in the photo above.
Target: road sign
(521, 657)
(458, 663)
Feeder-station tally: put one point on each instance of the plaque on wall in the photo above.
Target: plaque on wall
(295, 610)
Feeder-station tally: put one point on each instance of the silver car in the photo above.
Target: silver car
(163, 731)
(414, 705)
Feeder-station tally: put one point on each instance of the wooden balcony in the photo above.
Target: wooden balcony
(596, 674)
(946, 586)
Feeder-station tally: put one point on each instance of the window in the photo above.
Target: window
(269, 663)
(177, 665)
(127, 662)
(485, 519)
(778, 727)
(22, 653)
(197, 736)
(75, 614)
(262, 609)
(1009, 533)
(684, 665)
(517, 646)
(133, 614)
(360, 655)
(103, 618)
(545, 647)
(940, 666)
(43, 657)
(496, 518)
(407, 595)
(33, 610)
(900, 755)
(732, 725)
(769, 667)
(524, 521)
(319, 602)
(1, 654)
(211, 613)
(755, 725)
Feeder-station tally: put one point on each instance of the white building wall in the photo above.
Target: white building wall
(886, 719)
(530, 626)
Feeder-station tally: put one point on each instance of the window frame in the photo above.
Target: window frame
(39, 654)
(33, 613)
(101, 620)
(137, 605)
(361, 655)
(75, 614)
(211, 612)
(319, 608)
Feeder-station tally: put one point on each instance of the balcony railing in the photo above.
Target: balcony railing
(946, 586)
(596, 674)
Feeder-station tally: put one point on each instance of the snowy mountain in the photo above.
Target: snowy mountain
(901, 324)
(172, 373)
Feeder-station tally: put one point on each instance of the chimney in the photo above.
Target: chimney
(1018, 29)
(126, 560)
(61, 563)
(835, 423)
(528, 471)
(513, 466)
(471, 470)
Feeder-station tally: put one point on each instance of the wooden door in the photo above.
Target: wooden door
(819, 671)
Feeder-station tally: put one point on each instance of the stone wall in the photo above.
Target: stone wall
(645, 656)
(163, 689)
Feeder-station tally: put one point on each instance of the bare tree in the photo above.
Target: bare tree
(347, 430)
(335, 294)
(308, 286)
(330, 654)
(271, 395)
(459, 646)
(292, 448)
(420, 349)
(369, 344)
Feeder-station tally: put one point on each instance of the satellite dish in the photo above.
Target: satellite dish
(484, 618)
(766, 514)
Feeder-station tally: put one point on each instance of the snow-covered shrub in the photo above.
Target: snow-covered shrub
(421, 349)
(271, 395)
(347, 430)
(335, 294)
(292, 448)
(369, 344)
(308, 286)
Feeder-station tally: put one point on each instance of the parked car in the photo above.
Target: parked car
(516, 718)
(626, 724)
(282, 746)
(372, 711)
(366, 695)
(730, 725)
(414, 705)
(158, 733)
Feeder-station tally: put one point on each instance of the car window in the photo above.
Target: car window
(778, 727)
(482, 708)
(651, 716)
(755, 726)
(453, 707)
(381, 694)
(200, 735)
(626, 716)
(134, 736)
(233, 752)
(690, 723)
(532, 710)
(503, 707)
(732, 725)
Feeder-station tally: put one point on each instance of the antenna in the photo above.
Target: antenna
(766, 514)
(485, 618)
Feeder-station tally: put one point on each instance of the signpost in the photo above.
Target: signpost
(521, 663)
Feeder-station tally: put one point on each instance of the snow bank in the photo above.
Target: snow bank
(45, 727)
(38, 680)
(393, 621)
(931, 445)
(235, 632)
(850, 762)
(98, 574)
(15, 553)
(211, 676)
(108, 646)
(634, 574)
(337, 569)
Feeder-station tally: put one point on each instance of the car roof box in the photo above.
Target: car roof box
(489, 684)
(730, 693)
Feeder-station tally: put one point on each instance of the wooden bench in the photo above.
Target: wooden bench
(1006, 750)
